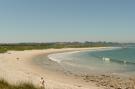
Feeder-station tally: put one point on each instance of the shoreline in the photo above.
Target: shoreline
(17, 66)
(79, 50)
(72, 67)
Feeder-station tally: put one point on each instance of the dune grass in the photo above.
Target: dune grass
(5, 85)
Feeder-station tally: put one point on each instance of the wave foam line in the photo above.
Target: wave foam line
(58, 57)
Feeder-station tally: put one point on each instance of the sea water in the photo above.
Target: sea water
(120, 60)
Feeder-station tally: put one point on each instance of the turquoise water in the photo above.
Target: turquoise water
(119, 55)
(121, 60)
(118, 61)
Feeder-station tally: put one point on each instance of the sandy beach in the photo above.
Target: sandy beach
(16, 67)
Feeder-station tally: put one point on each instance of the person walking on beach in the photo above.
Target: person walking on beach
(42, 83)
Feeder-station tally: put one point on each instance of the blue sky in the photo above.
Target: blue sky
(67, 20)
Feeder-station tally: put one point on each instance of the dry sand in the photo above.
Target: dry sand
(16, 67)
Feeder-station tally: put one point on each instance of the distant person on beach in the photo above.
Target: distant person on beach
(42, 83)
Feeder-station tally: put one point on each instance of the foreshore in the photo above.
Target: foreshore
(17, 66)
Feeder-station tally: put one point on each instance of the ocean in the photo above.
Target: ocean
(115, 60)
(119, 60)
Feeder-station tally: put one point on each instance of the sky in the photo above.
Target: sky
(67, 20)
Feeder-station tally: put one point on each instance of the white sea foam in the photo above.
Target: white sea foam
(58, 57)
(106, 59)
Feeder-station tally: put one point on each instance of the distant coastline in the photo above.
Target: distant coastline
(4, 47)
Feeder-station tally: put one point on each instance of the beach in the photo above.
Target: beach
(18, 66)
(67, 44)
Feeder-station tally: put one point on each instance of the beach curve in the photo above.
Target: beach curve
(15, 66)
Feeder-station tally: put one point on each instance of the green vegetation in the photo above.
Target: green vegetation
(5, 85)
(30, 46)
